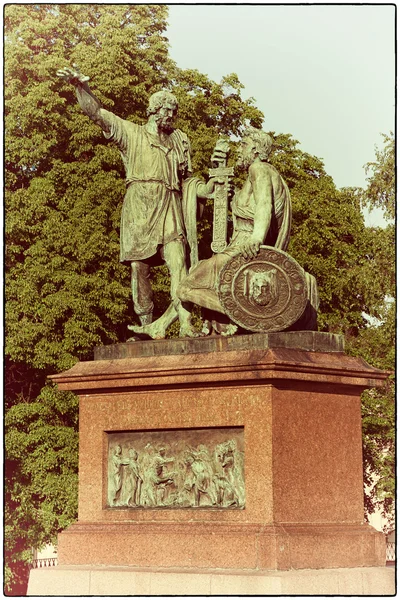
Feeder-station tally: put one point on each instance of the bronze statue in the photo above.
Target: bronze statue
(258, 292)
(251, 282)
(160, 205)
(202, 476)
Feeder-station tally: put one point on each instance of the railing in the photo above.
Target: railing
(38, 563)
(390, 552)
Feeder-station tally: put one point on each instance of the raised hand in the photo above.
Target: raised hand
(220, 152)
(73, 75)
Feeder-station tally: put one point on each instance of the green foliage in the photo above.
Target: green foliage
(65, 288)
(67, 292)
(330, 240)
(379, 421)
(41, 445)
(381, 190)
(376, 343)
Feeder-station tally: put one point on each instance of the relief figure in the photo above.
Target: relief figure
(133, 481)
(200, 476)
(159, 479)
(117, 461)
(230, 484)
(203, 484)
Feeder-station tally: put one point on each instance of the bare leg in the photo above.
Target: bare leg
(203, 297)
(142, 294)
(174, 255)
(199, 288)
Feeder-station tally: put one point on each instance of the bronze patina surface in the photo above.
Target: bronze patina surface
(268, 293)
(177, 468)
(302, 340)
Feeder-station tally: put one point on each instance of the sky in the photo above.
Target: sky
(324, 73)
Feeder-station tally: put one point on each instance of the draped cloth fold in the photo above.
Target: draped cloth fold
(192, 210)
(283, 238)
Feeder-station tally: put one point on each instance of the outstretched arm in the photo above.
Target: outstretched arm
(87, 100)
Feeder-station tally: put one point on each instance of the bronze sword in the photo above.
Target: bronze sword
(220, 195)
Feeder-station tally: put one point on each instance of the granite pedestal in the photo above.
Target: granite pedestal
(296, 398)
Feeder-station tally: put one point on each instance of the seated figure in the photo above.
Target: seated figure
(261, 216)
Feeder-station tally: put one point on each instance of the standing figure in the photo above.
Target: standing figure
(133, 479)
(117, 463)
(225, 480)
(186, 490)
(159, 209)
(159, 479)
(203, 472)
(145, 466)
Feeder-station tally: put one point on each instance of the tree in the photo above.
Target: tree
(330, 240)
(381, 190)
(62, 241)
(376, 343)
(65, 289)
(41, 477)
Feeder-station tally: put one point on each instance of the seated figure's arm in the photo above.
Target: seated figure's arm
(263, 195)
(262, 188)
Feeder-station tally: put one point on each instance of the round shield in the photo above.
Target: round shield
(267, 293)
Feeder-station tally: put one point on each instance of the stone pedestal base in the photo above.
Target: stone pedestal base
(202, 545)
(294, 398)
(120, 581)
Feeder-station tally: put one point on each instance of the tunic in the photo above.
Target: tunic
(152, 210)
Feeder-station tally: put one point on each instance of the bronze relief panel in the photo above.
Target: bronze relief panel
(176, 468)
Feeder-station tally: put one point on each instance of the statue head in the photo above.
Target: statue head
(118, 450)
(133, 454)
(189, 459)
(164, 106)
(263, 287)
(255, 144)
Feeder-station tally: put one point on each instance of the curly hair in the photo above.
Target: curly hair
(159, 99)
(263, 142)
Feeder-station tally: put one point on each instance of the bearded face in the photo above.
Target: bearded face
(263, 288)
(165, 116)
(247, 153)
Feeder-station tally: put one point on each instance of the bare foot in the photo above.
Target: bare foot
(189, 331)
(224, 329)
(230, 329)
(153, 330)
(207, 327)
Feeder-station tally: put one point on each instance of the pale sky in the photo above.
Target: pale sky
(325, 74)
